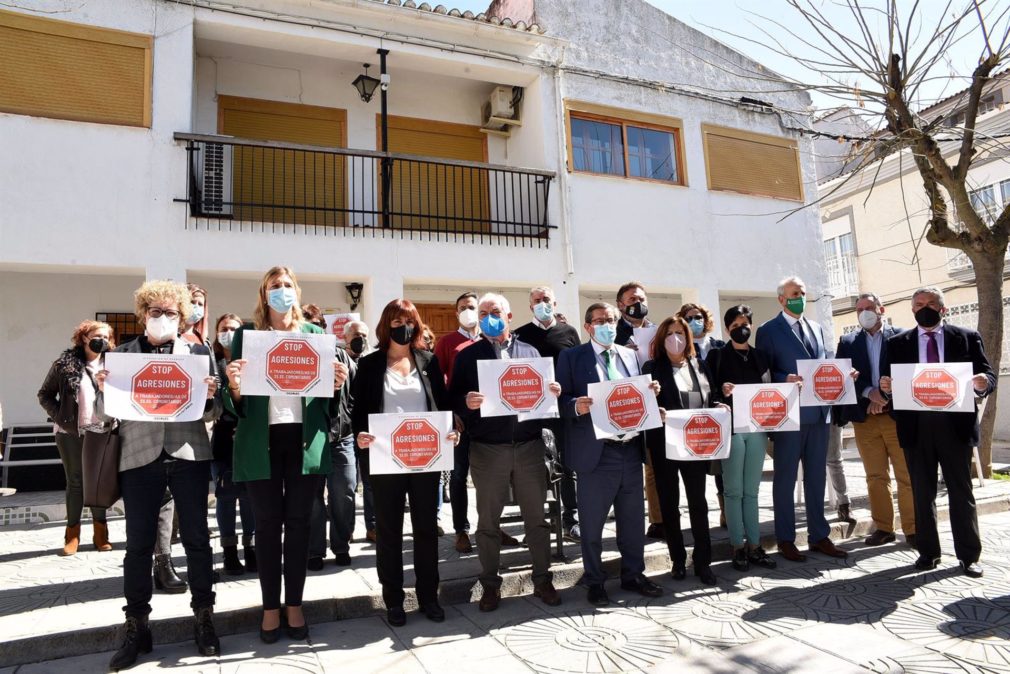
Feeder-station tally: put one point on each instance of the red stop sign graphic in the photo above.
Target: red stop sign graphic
(161, 389)
(769, 409)
(702, 435)
(415, 444)
(625, 408)
(521, 388)
(829, 383)
(292, 366)
(935, 388)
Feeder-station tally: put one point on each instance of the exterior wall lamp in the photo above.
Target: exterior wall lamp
(366, 85)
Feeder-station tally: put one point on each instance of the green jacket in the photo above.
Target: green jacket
(251, 460)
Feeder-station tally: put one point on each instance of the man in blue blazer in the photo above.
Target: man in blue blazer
(876, 433)
(785, 339)
(943, 439)
(609, 471)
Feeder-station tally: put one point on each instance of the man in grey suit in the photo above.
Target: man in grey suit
(609, 471)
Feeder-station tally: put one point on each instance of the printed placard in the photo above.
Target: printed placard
(826, 382)
(933, 387)
(517, 387)
(771, 408)
(412, 442)
(335, 324)
(296, 364)
(698, 435)
(644, 338)
(623, 406)
(156, 387)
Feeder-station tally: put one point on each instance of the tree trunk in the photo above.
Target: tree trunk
(989, 284)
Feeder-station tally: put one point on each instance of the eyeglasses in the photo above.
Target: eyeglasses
(154, 312)
(604, 321)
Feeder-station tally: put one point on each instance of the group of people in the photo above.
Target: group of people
(273, 458)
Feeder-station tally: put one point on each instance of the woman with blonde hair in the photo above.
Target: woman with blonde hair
(68, 396)
(197, 326)
(281, 453)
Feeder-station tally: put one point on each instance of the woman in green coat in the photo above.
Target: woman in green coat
(280, 445)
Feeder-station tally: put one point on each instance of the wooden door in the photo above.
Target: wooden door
(441, 318)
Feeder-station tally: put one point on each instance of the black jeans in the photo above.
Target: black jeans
(143, 491)
(458, 496)
(695, 475)
(71, 447)
(390, 492)
(283, 503)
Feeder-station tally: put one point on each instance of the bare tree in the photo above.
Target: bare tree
(879, 60)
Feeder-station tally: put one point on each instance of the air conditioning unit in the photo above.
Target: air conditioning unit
(501, 110)
(214, 179)
(501, 103)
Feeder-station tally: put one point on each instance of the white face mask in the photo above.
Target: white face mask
(675, 344)
(162, 329)
(868, 319)
(468, 318)
(224, 338)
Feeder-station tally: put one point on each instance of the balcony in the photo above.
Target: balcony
(235, 184)
(960, 268)
(843, 281)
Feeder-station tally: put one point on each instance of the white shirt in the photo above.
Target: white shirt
(805, 327)
(550, 325)
(403, 394)
(601, 370)
(874, 343)
(924, 340)
(285, 410)
(466, 333)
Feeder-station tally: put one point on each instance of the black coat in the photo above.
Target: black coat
(369, 382)
(960, 345)
(58, 394)
(669, 395)
(853, 346)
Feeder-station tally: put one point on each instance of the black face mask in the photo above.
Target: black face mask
(927, 317)
(638, 310)
(402, 335)
(98, 345)
(357, 345)
(740, 334)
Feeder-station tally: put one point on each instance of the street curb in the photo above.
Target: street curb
(457, 591)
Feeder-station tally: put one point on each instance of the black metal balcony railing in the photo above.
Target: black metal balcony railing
(237, 184)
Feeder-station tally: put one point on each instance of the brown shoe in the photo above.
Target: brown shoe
(370, 535)
(100, 536)
(788, 550)
(71, 539)
(826, 547)
(463, 544)
(489, 600)
(508, 540)
(547, 593)
(879, 537)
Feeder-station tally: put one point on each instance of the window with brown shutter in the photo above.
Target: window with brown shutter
(65, 70)
(752, 163)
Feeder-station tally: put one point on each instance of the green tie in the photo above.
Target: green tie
(612, 372)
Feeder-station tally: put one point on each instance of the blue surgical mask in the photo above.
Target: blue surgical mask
(282, 299)
(543, 311)
(195, 314)
(697, 326)
(492, 325)
(605, 334)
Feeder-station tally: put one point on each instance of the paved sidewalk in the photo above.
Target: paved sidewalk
(52, 606)
(870, 612)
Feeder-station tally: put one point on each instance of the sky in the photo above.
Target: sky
(727, 19)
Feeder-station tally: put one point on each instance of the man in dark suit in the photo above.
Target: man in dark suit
(609, 471)
(785, 339)
(876, 433)
(945, 439)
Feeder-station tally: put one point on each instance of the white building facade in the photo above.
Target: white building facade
(247, 147)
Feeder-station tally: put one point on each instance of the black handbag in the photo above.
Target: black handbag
(100, 468)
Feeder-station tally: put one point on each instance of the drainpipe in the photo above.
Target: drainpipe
(564, 194)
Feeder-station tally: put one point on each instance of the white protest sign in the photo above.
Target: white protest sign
(826, 382)
(411, 442)
(644, 338)
(623, 406)
(155, 387)
(517, 387)
(698, 435)
(296, 364)
(772, 408)
(335, 324)
(933, 387)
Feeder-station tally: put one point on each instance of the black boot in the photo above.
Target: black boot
(249, 555)
(136, 640)
(165, 577)
(203, 632)
(232, 565)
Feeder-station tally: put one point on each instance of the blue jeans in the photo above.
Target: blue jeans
(227, 494)
(341, 484)
(458, 496)
(143, 490)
